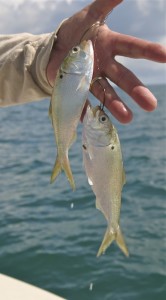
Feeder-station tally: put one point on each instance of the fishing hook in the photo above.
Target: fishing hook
(98, 23)
(98, 78)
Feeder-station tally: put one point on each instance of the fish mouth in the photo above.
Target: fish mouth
(87, 47)
(96, 109)
(84, 44)
(97, 112)
(93, 112)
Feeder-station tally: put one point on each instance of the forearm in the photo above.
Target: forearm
(23, 62)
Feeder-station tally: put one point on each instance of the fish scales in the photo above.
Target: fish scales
(104, 168)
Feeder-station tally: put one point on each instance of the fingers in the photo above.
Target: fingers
(128, 82)
(99, 9)
(137, 48)
(112, 101)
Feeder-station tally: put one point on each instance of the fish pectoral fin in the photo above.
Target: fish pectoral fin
(109, 237)
(81, 83)
(90, 181)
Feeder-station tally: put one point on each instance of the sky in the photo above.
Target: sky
(141, 18)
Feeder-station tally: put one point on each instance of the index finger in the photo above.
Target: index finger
(137, 48)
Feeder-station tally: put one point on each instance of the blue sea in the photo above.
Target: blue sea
(49, 235)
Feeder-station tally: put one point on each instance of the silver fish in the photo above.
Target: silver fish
(68, 98)
(103, 163)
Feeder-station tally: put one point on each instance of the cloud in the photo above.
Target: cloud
(145, 7)
(147, 71)
(141, 18)
(144, 19)
(35, 16)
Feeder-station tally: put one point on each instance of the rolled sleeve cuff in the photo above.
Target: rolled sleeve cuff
(42, 60)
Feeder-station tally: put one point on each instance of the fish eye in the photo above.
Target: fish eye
(75, 49)
(103, 118)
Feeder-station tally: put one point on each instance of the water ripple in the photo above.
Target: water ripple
(49, 235)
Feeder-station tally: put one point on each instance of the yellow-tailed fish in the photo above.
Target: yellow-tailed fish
(68, 98)
(103, 163)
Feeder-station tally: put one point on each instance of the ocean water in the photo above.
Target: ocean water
(49, 235)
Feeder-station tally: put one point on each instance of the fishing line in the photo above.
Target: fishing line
(98, 78)
(104, 90)
(98, 23)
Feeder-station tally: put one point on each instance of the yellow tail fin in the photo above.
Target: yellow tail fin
(109, 237)
(56, 170)
(63, 165)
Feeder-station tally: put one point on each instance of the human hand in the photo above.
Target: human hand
(107, 45)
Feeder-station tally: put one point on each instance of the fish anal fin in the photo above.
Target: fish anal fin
(73, 139)
(99, 207)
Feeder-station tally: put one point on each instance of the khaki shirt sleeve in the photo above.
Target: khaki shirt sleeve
(23, 61)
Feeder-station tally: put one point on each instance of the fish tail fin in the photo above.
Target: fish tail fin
(65, 165)
(67, 169)
(109, 237)
(56, 170)
(121, 242)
